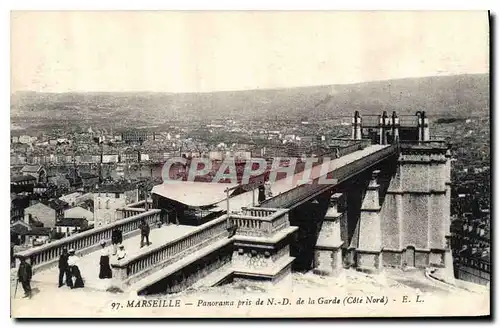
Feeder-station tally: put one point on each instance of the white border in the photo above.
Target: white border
(192, 5)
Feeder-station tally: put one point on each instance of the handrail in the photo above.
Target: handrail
(173, 248)
(51, 251)
(341, 174)
(424, 143)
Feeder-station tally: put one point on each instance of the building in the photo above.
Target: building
(74, 178)
(37, 236)
(109, 197)
(474, 265)
(137, 136)
(24, 139)
(89, 180)
(80, 212)
(43, 213)
(36, 171)
(471, 244)
(71, 225)
(17, 206)
(22, 183)
(58, 206)
(40, 188)
(18, 230)
(71, 199)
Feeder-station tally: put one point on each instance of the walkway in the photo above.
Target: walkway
(89, 264)
(284, 185)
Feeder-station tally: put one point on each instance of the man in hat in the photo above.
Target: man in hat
(144, 232)
(75, 269)
(64, 268)
(121, 253)
(24, 275)
(104, 268)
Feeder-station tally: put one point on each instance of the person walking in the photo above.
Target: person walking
(24, 275)
(104, 267)
(144, 232)
(116, 239)
(73, 263)
(64, 269)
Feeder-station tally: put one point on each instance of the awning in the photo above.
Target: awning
(194, 194)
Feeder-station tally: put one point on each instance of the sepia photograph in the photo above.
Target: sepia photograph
(250, 164)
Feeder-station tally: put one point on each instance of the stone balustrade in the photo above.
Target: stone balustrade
(257, 221)
(141, 204)
(85, 242)
(128, 267)
(126, 212)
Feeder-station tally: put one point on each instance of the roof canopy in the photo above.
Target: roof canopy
(194, 194)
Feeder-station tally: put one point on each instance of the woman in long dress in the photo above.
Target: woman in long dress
(75, 270)
(104, 267)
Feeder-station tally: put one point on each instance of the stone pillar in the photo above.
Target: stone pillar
(356, 126)
(395, 127)
(419, 126)
(119, 274)
(368, 252)
(425, 128)
(386, 123)
(328, 249)
(381, 130)
(354, 194)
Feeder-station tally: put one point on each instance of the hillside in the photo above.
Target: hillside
(448, 96)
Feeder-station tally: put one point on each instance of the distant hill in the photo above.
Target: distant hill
(444, 96)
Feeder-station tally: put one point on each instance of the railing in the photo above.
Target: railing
(259, 212)
(304, 192)
(441, 144)
(50, 252)
(260, 221)
(408, 121)
(123, 213)
(140, 204)
(129, 267)
(370, 120)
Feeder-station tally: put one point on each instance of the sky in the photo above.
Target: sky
(214, 51)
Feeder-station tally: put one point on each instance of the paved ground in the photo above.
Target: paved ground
(89, 264)
(49, 301)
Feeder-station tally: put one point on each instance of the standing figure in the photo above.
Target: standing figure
(121, 253)
(12, 257)
(144, 232)
(75, 270)
(104, 268)
(116, 239)
(24, 275)
(64, 269)
(262, 194)
(267, 187)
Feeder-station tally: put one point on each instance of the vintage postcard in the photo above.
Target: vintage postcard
(239, 164)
